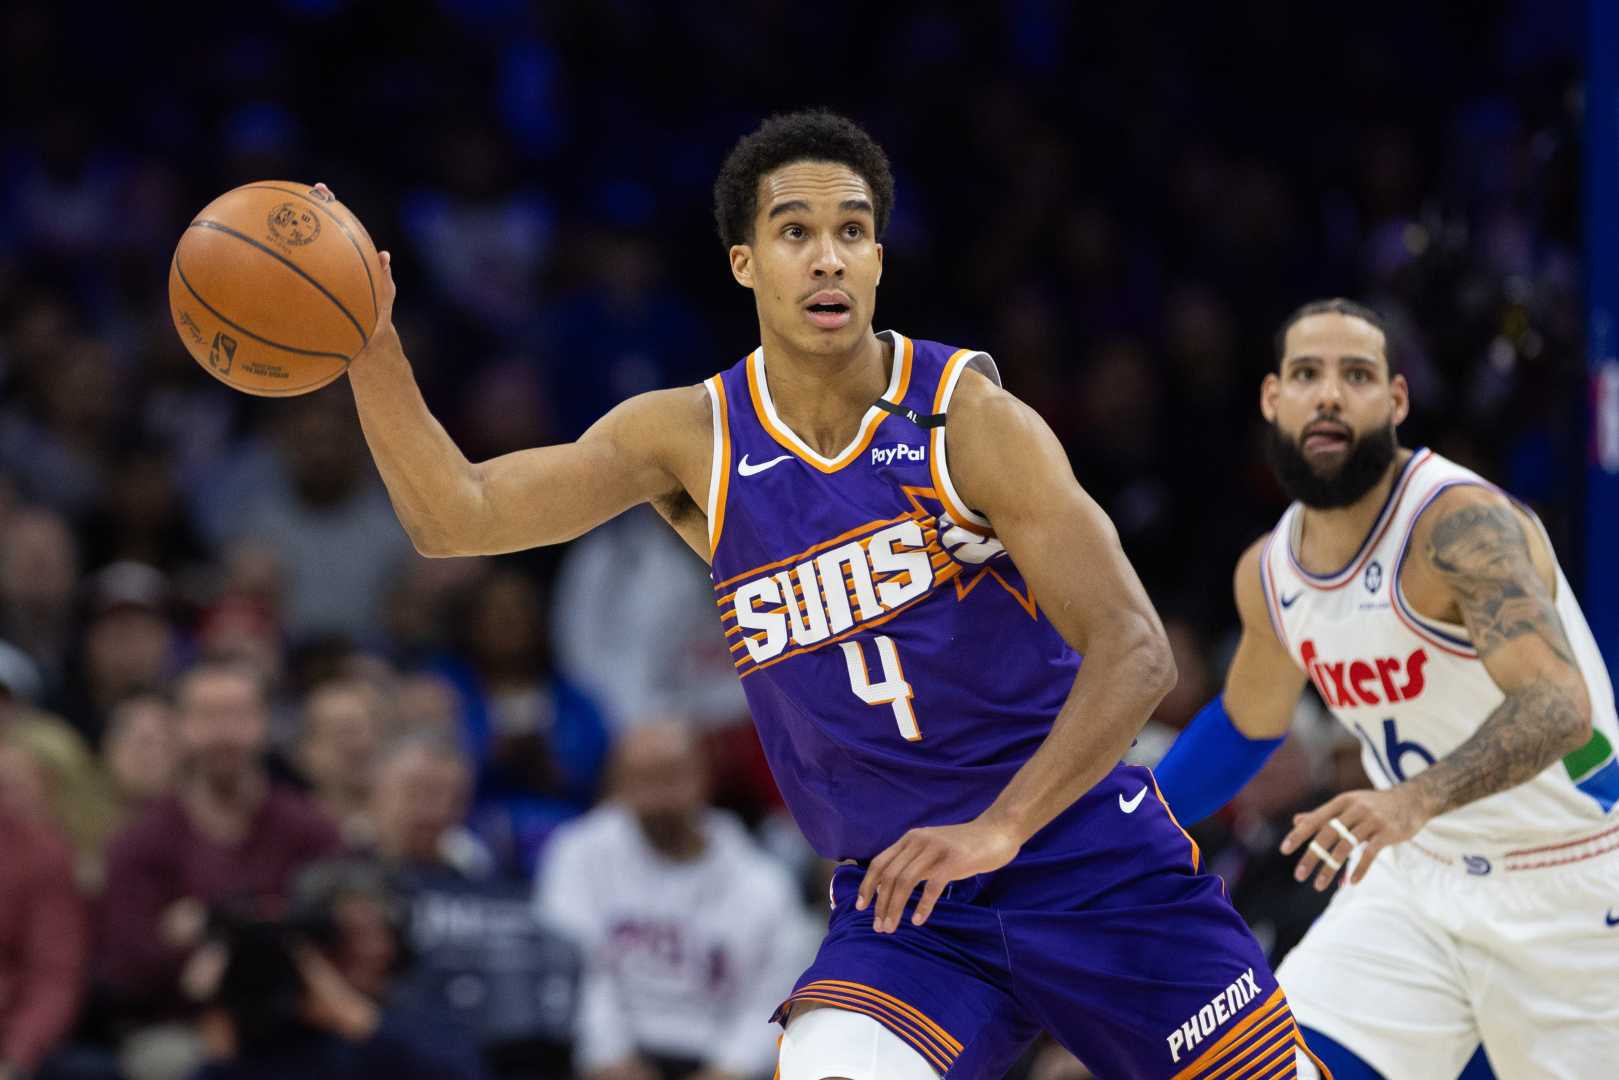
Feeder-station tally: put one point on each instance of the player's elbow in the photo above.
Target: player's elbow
(1558, 696)
(436, 536)
(453, 524)
(1580, 728)
(432, 545)
(1152, 658)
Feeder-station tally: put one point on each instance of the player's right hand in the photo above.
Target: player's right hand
(382, 334)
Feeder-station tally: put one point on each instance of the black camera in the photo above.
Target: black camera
(262, 987)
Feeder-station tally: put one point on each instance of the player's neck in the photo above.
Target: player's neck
(824, 397)
(1328, 539)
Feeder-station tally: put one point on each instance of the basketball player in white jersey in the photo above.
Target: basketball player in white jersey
(1428, 609)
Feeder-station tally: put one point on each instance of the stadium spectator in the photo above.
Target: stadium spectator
(425, 701)
(144, 518)
(418, 606)
(635, 323)
(485, 232)
(344, 725)
(140, 753)
(420, 797)
(482, 961)
(39, 573)
(226, 836)
(73, 792)
(691, 933)
(327, 521)
(44, 943)
(537, 740)
(61, 445)
(634, 626)
(129, 644)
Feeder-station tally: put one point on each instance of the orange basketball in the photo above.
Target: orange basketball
(273, 288)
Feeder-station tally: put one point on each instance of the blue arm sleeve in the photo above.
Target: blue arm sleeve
(1209, 763)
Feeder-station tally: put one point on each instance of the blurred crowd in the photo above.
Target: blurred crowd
(272, 785)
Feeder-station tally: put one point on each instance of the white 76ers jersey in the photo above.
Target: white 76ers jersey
(1412, 689)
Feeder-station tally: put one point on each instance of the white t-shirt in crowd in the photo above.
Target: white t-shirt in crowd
(683, 958)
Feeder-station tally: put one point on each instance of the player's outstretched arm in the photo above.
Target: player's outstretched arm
(1474, 543)
(546, 495)
(1007, 464)
(1233, 736)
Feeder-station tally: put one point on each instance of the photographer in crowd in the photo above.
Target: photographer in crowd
(481, 963)
(311, 994)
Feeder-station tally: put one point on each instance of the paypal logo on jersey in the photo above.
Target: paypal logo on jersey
(830, 593)
(889, 455)
(1347, 684)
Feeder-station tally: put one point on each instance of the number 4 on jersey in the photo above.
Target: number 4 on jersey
(893, 690)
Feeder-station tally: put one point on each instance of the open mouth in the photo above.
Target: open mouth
(829, 311)
(1325, 438)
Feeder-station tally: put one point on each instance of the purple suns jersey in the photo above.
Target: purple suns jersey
(896, 664)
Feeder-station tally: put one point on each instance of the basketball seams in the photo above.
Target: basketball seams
(364, 262)
(204, 223)
(267, 392)
(178, 269)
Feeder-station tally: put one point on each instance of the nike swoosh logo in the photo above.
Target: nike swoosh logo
(1289, 601)
(1610, 918)
(1129, 805)
(745, 469)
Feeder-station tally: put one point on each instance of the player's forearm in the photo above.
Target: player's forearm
(1126, 674)
(432, 485)
(1536, 726)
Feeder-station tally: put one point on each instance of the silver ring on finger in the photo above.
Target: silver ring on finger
(1343, 830)
(1324, 855)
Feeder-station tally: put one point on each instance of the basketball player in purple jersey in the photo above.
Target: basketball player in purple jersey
(908, 573)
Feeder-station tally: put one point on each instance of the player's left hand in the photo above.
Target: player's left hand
(936, 855)
(1373, 819)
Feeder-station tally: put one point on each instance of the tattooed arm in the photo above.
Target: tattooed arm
(1478, 565)
(1478, 548)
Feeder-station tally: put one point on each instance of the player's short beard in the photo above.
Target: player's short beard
(1370, 455)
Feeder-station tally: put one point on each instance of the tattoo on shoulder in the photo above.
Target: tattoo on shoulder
(1481, 550)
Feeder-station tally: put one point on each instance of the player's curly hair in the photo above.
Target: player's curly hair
(807, 135)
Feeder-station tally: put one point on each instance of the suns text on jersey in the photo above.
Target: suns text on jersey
(823, 596)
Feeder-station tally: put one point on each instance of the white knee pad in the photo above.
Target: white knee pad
(832, 1042)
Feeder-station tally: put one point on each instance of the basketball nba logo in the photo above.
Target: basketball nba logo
(222, 352)
(1374, 575)
(293, 224)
